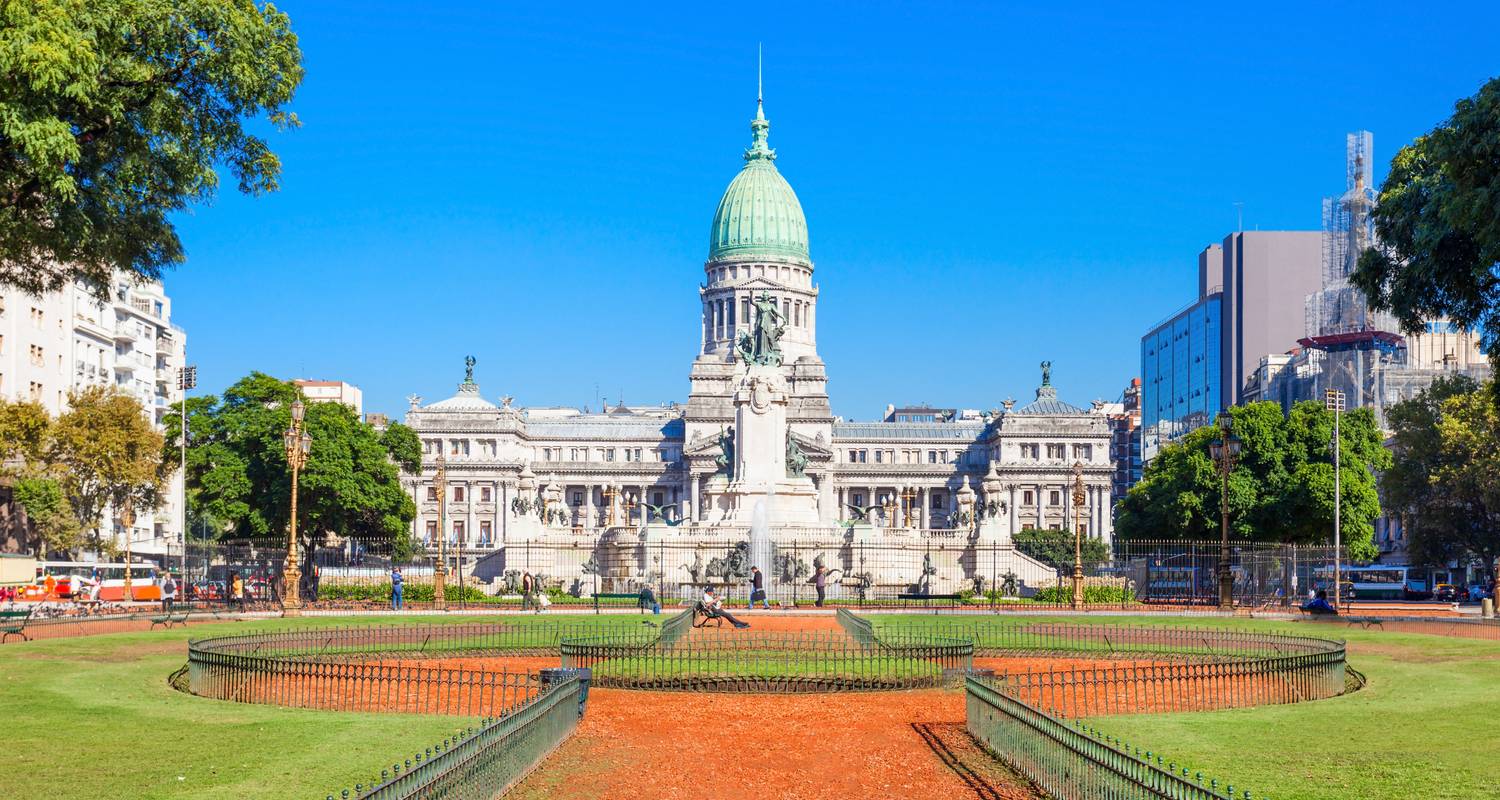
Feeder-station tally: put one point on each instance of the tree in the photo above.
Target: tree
(1446, 477)
(1055, 548)
(237, 471)
(114, 115)
(1280, 490)
(106, 454)
(24, 427)
(48, 511)
(1438, 226)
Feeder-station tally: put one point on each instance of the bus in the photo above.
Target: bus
(1374, 583)
(103, 581)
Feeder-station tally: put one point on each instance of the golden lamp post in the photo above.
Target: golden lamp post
(1224, 450)
(1078, 499)
(127, 521)
(910, 495)
(298, 444)
(440, 571)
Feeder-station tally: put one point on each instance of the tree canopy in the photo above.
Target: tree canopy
(105, 454)
(1438, 225)
(115, 113)
(1446, 479)
(237, 472)
(1281, 487)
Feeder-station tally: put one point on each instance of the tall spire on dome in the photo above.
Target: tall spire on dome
(760, 127)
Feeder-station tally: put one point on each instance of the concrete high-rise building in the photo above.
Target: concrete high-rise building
(333, 392)
(1267, 276)
(74, 338)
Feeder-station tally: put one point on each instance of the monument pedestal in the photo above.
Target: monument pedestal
(760, 449)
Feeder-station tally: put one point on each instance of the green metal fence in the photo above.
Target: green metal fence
(482, 763)
(767, 662)
(386, 668)
(1076, 762)
(1008, 636)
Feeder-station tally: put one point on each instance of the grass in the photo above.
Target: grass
(94, 717)
(1424, 726)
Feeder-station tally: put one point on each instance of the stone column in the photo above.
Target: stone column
(589, 514)
(1011, 509)
(693, 501)
(469, 516)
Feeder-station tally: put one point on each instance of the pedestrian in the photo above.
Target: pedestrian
(528, 585)
(758, 588)
(313, 582)
(237, 590)
(647, 599)
(396, 588)
(168, 593)
(820, 582)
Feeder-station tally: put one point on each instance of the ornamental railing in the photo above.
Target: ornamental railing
(752, 661)
(1020, 716)
(484, 761)
(378, 669)
(1076, 762)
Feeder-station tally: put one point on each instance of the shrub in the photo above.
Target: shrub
(1105, 595)
(411, 593)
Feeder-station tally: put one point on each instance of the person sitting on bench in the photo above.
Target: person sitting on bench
(647, 599)
(715, 608)
(1319, 604)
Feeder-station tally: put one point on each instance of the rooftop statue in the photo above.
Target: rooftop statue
(761, 345)
(1046, 373)
(796, 460)
(469, 363)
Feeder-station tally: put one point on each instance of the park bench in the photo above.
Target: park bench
(617, 596)
(14, 623)
(701, 615)
(168, 620)
(927, 598)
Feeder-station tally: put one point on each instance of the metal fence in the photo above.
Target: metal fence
(1019, 716)
(1016, 636)
(865, 571)
(1076, 762)
(483, 763)
(392, 668)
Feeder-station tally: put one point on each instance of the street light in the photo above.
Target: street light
(1334, 400)
(1224, 451)
(1078, 498)
(187, 378)
(440, 571)
(298, 444)
(127, 521)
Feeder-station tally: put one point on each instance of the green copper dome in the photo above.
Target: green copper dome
(759, 215)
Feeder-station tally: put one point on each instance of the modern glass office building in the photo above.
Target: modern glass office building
(1181, 383)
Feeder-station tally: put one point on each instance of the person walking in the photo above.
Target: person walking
(237, 590)
(820, 582)
(396, 588)
(758, 588)
(168, 593)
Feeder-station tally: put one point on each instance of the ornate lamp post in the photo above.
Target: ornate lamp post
(298, 444)
(440, 570)
(1224, 450)
(910, 495)
(127, 521)
(1078, 498)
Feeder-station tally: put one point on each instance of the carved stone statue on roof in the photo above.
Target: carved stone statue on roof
(761, 345)
(469, 363)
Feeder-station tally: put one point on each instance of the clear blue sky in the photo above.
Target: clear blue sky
(985, 188)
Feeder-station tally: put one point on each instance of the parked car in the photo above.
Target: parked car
(1447, 593)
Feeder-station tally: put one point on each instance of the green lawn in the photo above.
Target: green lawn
(1424, 726)
(94, 717)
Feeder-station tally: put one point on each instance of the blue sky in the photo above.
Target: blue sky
(986, 187)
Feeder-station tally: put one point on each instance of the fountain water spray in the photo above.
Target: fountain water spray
(760, 540)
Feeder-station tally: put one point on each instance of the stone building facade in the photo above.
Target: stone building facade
(513, 473)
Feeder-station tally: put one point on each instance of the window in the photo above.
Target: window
(1057, 451)
(1083, 452)
(1054, 498)
(932, 456)
(1083, 528)
(458, 531)
(431, 493)
(484, 494)
(657, 498)
(458, 494)
(578, 498)
(1027, 498)
(859, 498)
(485, 531)
(431, 530)
(937, 501)
(609, 455)
(853, 456)
(879, 457)
(745, 310)
(864, 455)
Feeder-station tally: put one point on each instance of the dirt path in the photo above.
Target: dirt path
(766, 747)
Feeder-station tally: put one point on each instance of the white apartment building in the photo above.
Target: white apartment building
(70, 339)
(333, 392)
